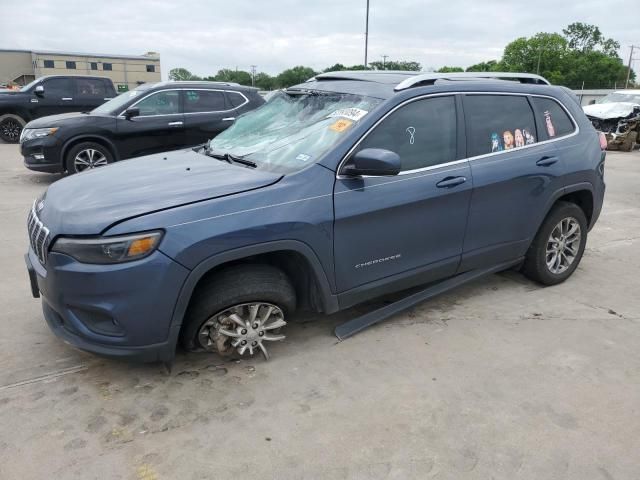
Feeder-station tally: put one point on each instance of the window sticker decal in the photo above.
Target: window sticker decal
(547, 120)
(496, 144)
(340, 125)
(528, 138)
(519, 138)
(354, 114)
(411, 131)
(303, 157)
(507, 137)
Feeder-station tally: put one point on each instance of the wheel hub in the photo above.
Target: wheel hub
(88, 159)
(242, 328)
(11, 129)
(563, 245)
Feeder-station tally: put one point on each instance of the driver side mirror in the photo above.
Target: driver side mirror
(39, 90)
(129, 113)
(373, 161)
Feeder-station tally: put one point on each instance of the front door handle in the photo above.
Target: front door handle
(450, 182)
(546, 161)
(228, 119)
(175, 124)
(66, 99)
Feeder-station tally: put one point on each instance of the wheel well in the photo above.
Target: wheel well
(293, 264)
(583, 199)
(98, 140)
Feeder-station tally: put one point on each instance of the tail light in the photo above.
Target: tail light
(603, 140)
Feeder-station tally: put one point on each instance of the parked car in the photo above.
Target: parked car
(347, 187)
(618, 116)
(149, 119)
(48, 96)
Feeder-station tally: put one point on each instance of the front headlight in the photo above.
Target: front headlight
(31, 133)
(108, 250)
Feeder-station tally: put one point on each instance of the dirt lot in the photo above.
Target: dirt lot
(502, 379)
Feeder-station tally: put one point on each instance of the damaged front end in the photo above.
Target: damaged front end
(621, 125)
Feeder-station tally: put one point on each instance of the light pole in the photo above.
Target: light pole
(253, 75)
(626, 84)
(384, 61)
(366, 36)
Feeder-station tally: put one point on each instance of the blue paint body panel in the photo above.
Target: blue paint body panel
(361, 236)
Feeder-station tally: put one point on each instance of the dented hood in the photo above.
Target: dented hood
(88, 203)
(605, 111)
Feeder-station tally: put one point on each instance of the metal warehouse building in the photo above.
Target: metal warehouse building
(126, 71)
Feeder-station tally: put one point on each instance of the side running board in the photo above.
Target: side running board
(358, 324)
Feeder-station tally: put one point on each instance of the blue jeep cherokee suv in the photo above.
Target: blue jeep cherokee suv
(347, 187)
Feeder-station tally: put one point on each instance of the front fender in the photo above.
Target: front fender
(329, 300)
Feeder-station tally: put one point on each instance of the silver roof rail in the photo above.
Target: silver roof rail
(431, 78)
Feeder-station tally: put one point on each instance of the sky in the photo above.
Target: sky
(207, 35)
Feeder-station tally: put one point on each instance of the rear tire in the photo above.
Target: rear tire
(11, 127)
(87, 156)
(558, 246)
(242, 284)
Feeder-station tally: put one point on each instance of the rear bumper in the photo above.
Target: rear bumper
(118, 311)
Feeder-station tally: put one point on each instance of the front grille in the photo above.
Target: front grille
(38, 235)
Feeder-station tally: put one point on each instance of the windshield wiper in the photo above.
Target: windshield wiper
(227, 157)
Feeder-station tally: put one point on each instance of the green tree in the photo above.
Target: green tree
(293, 76)
(396, 65)
(229, 75)
(264, 81)
(178, 74)
(587, 38)
(446, 69)
(490, 66)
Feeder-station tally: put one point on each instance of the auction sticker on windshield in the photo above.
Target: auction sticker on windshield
(354, 113)
(340, 125)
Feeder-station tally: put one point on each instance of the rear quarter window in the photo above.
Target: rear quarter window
(498, 122)
(553, 118)
(236, 99)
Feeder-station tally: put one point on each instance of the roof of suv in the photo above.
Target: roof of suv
(201, 84)
(384, 84)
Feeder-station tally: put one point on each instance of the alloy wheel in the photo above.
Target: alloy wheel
(563, 245)
(242, 328)
(10, 129)
(89, 158)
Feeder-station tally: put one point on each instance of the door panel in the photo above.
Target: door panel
(158, 128)
(58, 97)
(512, 186)
(413, 224)
(385, 226)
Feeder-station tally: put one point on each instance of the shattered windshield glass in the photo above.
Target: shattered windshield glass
(292, 130)
(620, 97)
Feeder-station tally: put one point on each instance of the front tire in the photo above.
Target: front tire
(87, 156)
(236, 309)
(11, 127)
(558, 246)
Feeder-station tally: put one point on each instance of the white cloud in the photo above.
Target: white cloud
(205, 36)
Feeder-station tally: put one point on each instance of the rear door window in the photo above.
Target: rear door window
(90, 88)
(498, 122)
(554, 119)
(423, 133)
(200, 101)
(236, 99)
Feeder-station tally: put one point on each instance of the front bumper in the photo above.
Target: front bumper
(121, 311)
(43, 154)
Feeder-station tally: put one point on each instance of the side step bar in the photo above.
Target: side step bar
(358, 324)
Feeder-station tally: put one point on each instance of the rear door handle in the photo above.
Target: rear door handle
(546, 161)
(66, 99)
(175, 124)
(228, 119)
(450, 182)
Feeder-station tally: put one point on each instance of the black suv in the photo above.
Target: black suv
(49, 96)
(149, 119)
